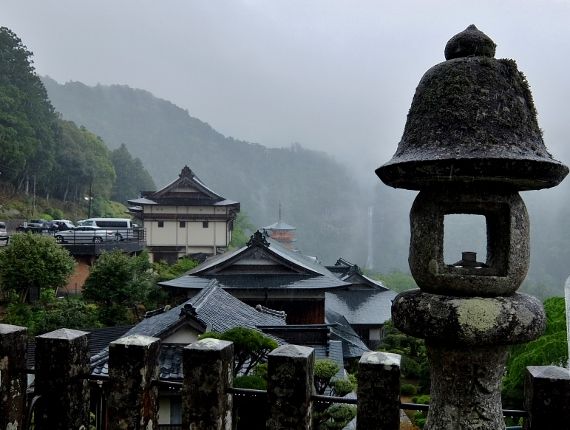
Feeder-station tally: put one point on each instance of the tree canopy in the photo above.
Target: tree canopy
(118, 283)
(549, 349)
(33, 261)
(250, 347)
(46, 156)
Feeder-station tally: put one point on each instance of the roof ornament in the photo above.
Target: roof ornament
(258, 238)
(186, 172)
(188, 310)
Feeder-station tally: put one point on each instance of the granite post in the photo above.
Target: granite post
(378, 391)
(290, 387)
(13, 379)
(133, 393)
(208, 375)
(547, 397)
(62, 369)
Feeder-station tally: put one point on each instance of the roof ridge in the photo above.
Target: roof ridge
(204, 294)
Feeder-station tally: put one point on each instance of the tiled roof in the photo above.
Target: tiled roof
(272, 247)
(361, 306)
(244, 282)
(216, 309)
(170, 194)
(352, 344)
(310, 274)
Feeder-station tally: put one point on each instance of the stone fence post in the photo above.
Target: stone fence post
(62, 368)
(133, 393)
(378, 391)
(290, 386)
(13, 379)
(208, 375)
(547, 397)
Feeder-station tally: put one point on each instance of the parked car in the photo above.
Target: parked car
(34, 226)
(85, 234)
(63, 224)
(3, 233)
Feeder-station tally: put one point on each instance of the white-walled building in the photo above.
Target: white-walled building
(185, 217)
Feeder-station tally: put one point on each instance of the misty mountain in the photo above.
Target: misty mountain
(316, 193)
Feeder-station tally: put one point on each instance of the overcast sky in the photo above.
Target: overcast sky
(333, 75)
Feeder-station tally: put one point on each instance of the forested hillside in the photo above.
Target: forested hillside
(44, 155)
(316, 192)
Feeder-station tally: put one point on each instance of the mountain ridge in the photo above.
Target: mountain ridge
(317, 194)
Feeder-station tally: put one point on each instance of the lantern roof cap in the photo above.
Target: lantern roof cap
(472, 120)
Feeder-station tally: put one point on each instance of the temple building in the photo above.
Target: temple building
(185, 218)
(282, 232)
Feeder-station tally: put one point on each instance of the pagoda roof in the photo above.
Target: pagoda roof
(280, 225)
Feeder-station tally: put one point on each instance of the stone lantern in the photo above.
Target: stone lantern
(470, 144)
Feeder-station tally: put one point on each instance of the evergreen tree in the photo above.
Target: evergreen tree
(132, 177)
(28, 123)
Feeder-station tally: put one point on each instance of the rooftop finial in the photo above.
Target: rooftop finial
(470, 42)
(186, 172)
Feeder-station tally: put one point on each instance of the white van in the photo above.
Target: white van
(122, 226)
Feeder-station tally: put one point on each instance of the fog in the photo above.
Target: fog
(336, 76)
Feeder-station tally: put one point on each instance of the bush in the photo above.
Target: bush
(254, 382)
(342, 387)
(408, 390)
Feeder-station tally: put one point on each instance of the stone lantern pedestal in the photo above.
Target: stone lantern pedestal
(470, 144)
(466, 340)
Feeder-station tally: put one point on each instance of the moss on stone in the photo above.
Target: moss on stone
(477, 315)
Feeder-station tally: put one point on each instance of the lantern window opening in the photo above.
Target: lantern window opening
(465, 240)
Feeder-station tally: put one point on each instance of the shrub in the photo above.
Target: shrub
(254, 382)
(408, 390)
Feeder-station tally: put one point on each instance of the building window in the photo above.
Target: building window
(182, 224)
(204, 224)
(160, 224)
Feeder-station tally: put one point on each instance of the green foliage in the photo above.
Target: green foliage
(396, 281)
(243, 229)
(250, 347)
(51, 313)
(118, 283)
(132, 177)
(253, 382)
(336, 417)
(341, 387)
(408, 390)
(28, 123)
(33, 261)
(325, 370)
(48, 156)
(166, 272)
(107, 208)
(549, 349)
(420, 418)
(415, 364)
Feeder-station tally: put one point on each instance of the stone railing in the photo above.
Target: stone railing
(62, 374)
